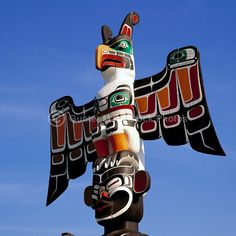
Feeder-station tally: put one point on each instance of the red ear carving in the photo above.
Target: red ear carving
(142, 182)
(126, 29)
(88, 192)
(127, 26)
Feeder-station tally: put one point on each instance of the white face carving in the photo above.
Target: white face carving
(118, 75)
(114, 196)
(112, 191)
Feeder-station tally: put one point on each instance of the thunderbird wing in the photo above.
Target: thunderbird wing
(172, 104)
(71, 143)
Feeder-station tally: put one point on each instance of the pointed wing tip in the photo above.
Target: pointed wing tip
(220, 152)
(52, 197)
(215, 153)
(49, 201)
(223, 154)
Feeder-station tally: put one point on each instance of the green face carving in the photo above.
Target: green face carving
(119, 98)
(123, 46)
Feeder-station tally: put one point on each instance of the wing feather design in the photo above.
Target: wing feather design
(172, 104)
(71, 143)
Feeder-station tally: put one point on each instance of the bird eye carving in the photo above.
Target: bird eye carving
(123, 45)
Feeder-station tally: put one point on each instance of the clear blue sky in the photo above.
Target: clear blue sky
(47, 51)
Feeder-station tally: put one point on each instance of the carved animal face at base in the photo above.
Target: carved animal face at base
(115, 194)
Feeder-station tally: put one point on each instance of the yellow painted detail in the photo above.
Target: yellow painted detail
(119, 142)
(142, 104)
(185, 85)
(99, 53)
(163, 97)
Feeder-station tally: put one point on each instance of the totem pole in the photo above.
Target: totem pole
(109, 130)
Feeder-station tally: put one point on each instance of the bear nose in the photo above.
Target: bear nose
(104, 195)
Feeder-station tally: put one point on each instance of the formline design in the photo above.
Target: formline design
(109, 130)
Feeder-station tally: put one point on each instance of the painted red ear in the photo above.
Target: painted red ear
(142, 182)
(127, 26)
(88, 196)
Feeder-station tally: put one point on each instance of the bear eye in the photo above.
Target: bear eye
(113, 184)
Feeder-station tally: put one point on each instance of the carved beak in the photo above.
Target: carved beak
(107, 57)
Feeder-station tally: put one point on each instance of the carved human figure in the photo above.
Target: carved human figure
(116, 122)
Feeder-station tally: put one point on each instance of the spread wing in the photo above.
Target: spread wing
(71, 143)
(172, 104)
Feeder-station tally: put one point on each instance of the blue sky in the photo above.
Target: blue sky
(47, 51)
